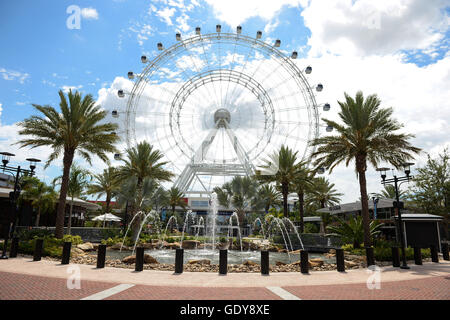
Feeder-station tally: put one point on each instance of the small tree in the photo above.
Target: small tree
(352, 231)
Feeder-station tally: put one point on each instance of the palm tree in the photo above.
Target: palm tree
(79, 127)
(106, 184)
(367, 135)
(79, 179)
(352, 231)
(388, 192)
(285, 163)
(323, 193)
(269, 196)
(240, 193)
(143, 161)
(40, 195)
(176, 199)
(138, 197)
(301, 184)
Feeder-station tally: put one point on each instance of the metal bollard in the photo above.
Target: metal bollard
(370, 256)
(139, 266)
(444, 246)
(14, 247)
(223, 261)
(434, 253)
(66, 252)
(101, 256)
(417, 256)
(340, 264)
(264, 262)
(179, 260)
(304, 261)
(38, 249)
(395, 257)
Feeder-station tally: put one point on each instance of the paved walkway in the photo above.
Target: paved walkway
(22, 278)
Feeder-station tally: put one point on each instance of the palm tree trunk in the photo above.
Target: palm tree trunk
(108, 201)
(61, 211)
(361, 168)
(285, 192)
(38, 217)
(301, 211)
(69, 223)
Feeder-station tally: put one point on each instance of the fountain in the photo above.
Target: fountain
(270, 226)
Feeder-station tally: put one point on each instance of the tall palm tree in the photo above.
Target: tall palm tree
(78, 127)
(79, 179)
(139, 197)
(240, 193)
(367, 135)
(301, 184)
(285, 163)
(41, 196)
(143, 161)
(269, 196)
(106, 184)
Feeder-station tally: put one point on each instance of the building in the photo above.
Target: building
(384, 213)
(27, 214)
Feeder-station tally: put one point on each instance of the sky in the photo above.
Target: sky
(397, 49)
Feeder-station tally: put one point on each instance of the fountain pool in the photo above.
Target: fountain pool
(234, 256)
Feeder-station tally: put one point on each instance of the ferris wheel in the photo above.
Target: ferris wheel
(217, 104)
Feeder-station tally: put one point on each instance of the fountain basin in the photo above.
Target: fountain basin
(234, 256)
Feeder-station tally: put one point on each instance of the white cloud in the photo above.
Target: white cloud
(89, 13)
(366, 27)
(166, 14)
(12, 75)
(235, 12)
(419, 97)
(73, 88)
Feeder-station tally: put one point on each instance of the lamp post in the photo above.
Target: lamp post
(16, 173)
(395, 180)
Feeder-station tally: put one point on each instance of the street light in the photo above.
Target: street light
(395, 180)
(16, 173)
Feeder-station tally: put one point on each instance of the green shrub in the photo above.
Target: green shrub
(52, 246)
(384, 252)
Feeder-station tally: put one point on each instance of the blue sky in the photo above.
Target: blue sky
(347, 42)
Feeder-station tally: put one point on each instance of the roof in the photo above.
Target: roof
(4, 193)
(312, 219)
(420, 216)
(356, 206)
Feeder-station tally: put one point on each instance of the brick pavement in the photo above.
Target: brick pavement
(14, 286)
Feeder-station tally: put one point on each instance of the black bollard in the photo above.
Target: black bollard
(101, 256)
(417, 256)
(304, 261)
(38, 249)
(395, 257)
(434, 253)
(223, 260)
(139, 266)
(369, 256)
(340, 264)
(444, 246)
(14, 247)
(66, 252)
(179, 260)
(265, 262)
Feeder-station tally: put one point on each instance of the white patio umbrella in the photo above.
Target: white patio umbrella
(106, 217)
